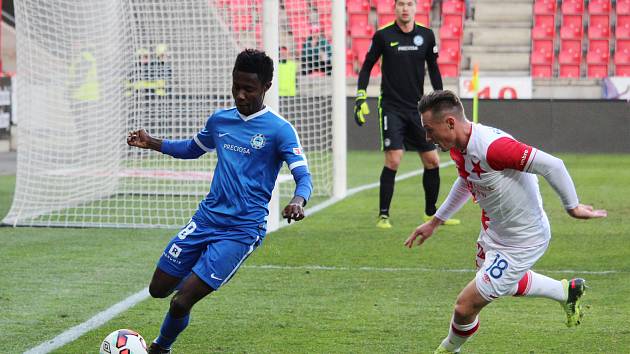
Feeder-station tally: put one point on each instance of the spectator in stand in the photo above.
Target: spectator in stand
(316, 53)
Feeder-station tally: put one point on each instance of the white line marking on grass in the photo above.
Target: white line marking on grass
(94, 322)
(419, 269)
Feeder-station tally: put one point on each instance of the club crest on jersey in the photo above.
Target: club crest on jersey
(258, 141)
(418, 40)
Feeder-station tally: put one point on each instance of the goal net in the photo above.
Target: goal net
(90, 71)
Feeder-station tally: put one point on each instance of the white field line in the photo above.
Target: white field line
(106, 315)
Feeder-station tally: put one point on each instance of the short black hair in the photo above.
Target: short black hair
(441, 101)
(256, 62)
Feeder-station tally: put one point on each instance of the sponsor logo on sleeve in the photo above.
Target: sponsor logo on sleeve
(297, 151)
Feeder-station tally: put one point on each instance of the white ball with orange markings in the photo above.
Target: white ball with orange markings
(123, 341)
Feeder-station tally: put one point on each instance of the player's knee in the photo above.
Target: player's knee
(159, 292)
(179, 306)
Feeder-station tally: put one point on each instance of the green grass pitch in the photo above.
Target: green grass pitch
(332, 283)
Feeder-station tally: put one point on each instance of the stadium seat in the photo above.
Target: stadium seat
(571, 27)
(358, 6)
(358, 19)
(384, 6)
(376, 70)
(569, 58)
(622, 30)
(449, 57)
(384, 19)
(545, 7)
(453, 20)
(360, 47)
(542, 52)
(455, 7)
(597, 58)
(599, 27)
(599, 7)
(363, 30)
(542, 71)
(572, 7)
(423, 7)
(423, 19)
(622, 58)
(544, 27)
(322, 6)
(623, 7)
(449, 70)
(451, 32)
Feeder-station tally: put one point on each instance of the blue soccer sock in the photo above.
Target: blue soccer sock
(171, 328)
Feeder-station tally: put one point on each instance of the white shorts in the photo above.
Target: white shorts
(499, 268)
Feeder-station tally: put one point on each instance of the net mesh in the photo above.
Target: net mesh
(90, 71)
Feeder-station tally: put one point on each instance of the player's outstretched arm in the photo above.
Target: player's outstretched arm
(295, 209)
(142, 139)
(583, 211)
(423, 232)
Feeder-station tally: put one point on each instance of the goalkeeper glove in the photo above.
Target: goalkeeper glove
(361, 107)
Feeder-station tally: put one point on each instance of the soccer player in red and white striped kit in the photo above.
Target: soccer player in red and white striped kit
(500, 174)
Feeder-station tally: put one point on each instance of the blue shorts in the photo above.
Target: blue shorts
(214, 254)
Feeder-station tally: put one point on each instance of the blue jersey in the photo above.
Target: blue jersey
(250, 153)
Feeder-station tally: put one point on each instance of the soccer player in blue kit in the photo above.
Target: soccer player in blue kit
(251, 141)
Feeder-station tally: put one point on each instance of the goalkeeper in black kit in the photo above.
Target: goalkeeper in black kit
(404, 47)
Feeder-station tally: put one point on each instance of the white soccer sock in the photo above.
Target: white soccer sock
(459, 334)
(538, 285)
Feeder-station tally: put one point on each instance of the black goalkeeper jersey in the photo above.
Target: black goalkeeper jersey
(402, 65)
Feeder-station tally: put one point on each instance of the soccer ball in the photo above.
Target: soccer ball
(124, 341)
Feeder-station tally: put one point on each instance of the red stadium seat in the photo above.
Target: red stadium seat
(623, 7)
(451, 31)
(360, 47)
(544, 27)
(542, 71)
(542, 52)
(623, 27)
(450, 52)
(599, 27)
(571, 27)
(358, 22)
(599, 7)
(453, 20)
(384, 6)
(449, 70)
(358, 6)
(322, 6)
(597, 58)
(376, 70)
(570, 58)
(384, 19)
(423, 19)
(545, 7)
(572, 7)
(423, 7)
(622, 57)
(453, 7)
(350, 59)
(363, 30)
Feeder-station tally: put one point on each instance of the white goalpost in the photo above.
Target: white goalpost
(90, 71)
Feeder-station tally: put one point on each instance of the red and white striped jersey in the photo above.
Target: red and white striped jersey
(494, 167)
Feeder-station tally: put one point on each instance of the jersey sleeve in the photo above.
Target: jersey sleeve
(372, 56)
(205, 137)
(509, 153)
(432, 66)
(289, 147)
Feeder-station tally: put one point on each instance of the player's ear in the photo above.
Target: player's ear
(267, 86)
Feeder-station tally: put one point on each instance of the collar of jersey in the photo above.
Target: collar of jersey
(254, 115)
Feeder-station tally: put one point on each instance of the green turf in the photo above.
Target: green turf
(338, 285)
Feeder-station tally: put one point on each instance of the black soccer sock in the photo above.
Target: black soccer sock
(431, 184)
(388, 178)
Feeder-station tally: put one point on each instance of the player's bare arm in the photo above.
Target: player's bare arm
(142, 139)
(423, 232)
(294, 210)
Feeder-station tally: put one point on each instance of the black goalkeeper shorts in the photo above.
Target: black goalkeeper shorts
(403, 129)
